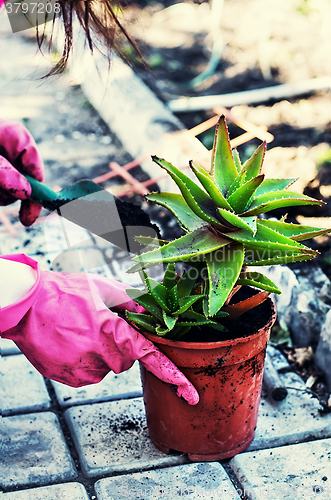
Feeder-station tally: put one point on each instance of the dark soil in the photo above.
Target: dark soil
(247, 324)
(124, 423)
(260, 47)
(176, 43)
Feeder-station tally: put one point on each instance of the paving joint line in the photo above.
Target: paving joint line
(56, 408)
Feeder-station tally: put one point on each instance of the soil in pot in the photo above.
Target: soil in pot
(247, 324)
(228, 376)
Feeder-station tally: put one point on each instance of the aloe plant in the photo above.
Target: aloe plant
(171, 307)
(221, 215)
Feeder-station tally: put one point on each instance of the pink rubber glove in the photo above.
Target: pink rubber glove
(64, 327)
(18, 153)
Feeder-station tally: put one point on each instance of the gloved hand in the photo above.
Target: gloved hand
(64, 327)
(18, 153)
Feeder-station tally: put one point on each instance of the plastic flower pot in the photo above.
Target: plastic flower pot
(228, 376)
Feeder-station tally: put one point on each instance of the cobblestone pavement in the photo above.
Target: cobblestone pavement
(76, 444)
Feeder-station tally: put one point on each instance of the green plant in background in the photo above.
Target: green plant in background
(225, 231)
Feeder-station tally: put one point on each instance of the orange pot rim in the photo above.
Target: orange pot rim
(212, 345)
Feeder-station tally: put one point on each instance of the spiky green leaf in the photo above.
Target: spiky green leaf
(144, 321)
(148, 241)
(248, 223)
(236, 159)
(138, 267)
(194, 318)
(186, 302)
(279, 199)
(172, 300)
(159, 292)
(271, 185)
(179, 208)
(224, 268)
(161, 330)
(295, 232)
(242, 197)
(253, 165)
(197, 199)
(267, 257)
(223, 167)
(208, 183)
(237, 183)
(170, 321)
(258, 280)
(221, 314)
(267, 238)
(198, 242)
(169, 278)
(145, 300)
(205, 300)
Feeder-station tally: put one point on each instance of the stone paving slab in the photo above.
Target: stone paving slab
(65, 491)
(192, 481)
(113, 437)
(60, 245)
(8, 347)
(300, 471)
(30, 241)
(87, 259)
(57, 245)
(70, 250)
(296, 418)
(34, 451)
(22, 387)
(123, 386)
(22, 243)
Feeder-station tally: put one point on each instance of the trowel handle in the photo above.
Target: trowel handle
(40, 191)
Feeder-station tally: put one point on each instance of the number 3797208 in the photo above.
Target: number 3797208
(33, 7)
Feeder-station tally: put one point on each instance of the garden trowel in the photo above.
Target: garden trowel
(97, 210)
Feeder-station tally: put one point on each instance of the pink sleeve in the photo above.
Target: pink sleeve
(11, 315)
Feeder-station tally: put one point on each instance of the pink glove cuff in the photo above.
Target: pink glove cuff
(11, 315)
